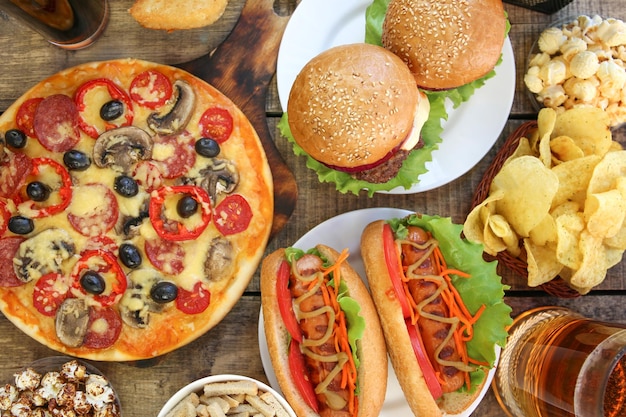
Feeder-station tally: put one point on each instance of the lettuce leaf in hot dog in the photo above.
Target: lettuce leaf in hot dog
(484, 287)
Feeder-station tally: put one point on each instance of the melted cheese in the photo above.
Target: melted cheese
(421, 116)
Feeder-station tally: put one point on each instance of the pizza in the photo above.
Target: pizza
(136, 203)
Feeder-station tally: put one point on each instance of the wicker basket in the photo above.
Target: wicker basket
(557, 287)
(544, 6)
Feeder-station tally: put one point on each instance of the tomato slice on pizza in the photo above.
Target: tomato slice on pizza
(135, 205)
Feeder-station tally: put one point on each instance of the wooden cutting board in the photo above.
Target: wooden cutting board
(242, 67)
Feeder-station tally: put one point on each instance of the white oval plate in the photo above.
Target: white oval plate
(471, 129)
(352, 224)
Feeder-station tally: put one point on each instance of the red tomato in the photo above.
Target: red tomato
(8, 249)
(26, 115)
(195, 301)
(285, 303)
(232, 215)
(102, 216)
(422, 359)
(13, 172)
(395, 273)
(150, 89)
(49, 292)
(103, 329)
(299, 375)
(181, 158)
(166, 255)
(216, 123)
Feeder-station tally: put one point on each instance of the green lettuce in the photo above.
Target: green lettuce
(484, 287)
(415, 163)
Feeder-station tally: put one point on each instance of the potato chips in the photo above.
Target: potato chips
(559, 201)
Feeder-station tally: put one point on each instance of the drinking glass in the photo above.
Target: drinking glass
(69, 24)
(559, 363)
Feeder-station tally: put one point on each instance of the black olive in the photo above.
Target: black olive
(129, 255)
(186, 206)
(76, 160)
(111, 110)
(93, 282)
(126, 186)
(163, 292)
(15, 138)
(21, 225)
(207, 147)
(38, 191)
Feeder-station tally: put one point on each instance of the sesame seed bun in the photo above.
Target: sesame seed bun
(445, 43)
(352, 105)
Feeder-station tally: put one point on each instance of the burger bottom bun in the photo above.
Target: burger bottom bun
(405, 365)
(372, 372)
(352, 104)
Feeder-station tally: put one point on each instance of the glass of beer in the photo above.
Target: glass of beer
(558, 363)
(69, 24)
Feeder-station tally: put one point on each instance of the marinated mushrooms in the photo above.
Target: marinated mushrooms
(122, 148)
(179, 114)
(71, 321)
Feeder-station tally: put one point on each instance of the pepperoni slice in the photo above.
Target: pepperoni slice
(56, 123)
(195, 301)
(103, 329)
(94, 209)
(216, 123)
(49, 292)
(8, 249)
(232, 215)
(148, 175)
(101, 242)
(165, 255)
(26, 115)
(13, 172)
(150, 89)
(174, 154)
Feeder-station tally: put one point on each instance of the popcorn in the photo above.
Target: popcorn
(581, 64)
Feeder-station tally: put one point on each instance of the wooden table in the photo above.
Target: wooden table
(232, 346)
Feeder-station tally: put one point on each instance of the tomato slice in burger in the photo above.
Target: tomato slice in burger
(285, 304)
(300, 375)
(394, 268)
(422, 359)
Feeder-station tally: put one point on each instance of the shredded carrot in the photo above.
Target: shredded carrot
(464, 331)
(340, 333)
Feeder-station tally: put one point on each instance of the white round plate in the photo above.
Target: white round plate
(352, 224)
(471, 129)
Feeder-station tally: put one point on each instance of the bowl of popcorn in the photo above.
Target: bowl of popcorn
(59, 386)
(226, 395)
(580, 62)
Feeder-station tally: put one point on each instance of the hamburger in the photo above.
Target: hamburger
(356, 109)
(445, 44)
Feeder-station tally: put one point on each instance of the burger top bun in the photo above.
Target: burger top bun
(445, 43)
(352, 104)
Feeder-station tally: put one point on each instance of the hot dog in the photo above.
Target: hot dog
(325, 343)
(440, 333)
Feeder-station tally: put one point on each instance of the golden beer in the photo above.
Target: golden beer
(558, 363)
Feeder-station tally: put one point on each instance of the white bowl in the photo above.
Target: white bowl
(197, 386)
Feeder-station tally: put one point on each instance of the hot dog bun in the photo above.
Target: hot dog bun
(403, 358)
(372, 372)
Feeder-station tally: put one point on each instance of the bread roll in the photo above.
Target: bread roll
(372, 372)
(445, 43)
(177, 14)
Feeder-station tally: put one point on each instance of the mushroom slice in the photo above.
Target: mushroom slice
(180, 112)
(219, 262)
(219, 176)
(122, 147)
(42, 254)
(136, 304)
(71, 321)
